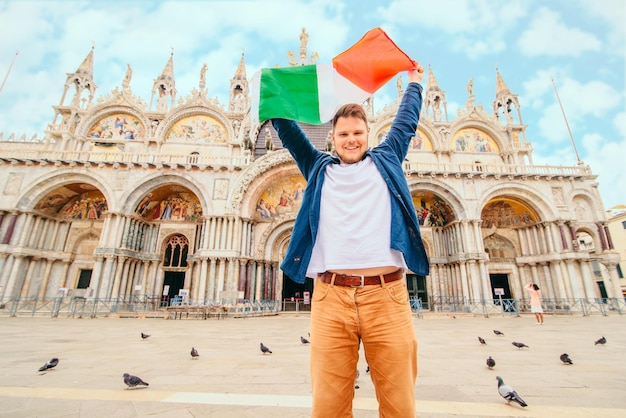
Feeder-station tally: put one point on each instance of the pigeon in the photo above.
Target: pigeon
(194, 353)
(519, 345)
(482, 340)
(133, 381)
(600, 341)
(304, 340)
(368, 369)
(565, 359)
(491, 363)
(265, 350)
(495, 331)
(508, 393)
(144, 336)
(49, 364)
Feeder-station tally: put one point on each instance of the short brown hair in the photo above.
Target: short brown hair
(350, 110)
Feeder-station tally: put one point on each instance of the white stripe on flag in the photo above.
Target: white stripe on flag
(334, 91)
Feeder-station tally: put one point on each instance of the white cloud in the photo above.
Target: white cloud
(613, 15)
(606, 159)
(620, 123)
(54, 38)
(578, 101)
(473, 28)
(548, 35)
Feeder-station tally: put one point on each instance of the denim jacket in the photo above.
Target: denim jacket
(388, 157)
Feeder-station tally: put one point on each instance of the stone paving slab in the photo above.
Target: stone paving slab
(232, 378)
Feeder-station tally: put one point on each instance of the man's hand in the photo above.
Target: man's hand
(417, 74)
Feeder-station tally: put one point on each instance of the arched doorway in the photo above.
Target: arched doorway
(174, 265)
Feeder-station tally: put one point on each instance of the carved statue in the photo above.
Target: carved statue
(269, 145)
(203, 76)
(304, 38)
(127, 77)
(470, 87)
(291, 58)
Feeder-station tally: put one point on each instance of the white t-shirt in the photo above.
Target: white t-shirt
(355, 221)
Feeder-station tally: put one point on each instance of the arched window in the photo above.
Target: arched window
(176, 252)
(193, 157)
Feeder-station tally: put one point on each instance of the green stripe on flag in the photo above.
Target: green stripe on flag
(289, 93)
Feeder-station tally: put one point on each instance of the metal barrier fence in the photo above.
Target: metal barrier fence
(147, 306)
(296, 305)
(416, 306)
(565, 306)
(130, 306)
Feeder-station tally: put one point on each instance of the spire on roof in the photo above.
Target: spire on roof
(165, 86)
(501, 87)
(434, 97)
(238, 100)
(505, 101)
(432, 81)
(82, 79)
(240, 73)
(86, 68)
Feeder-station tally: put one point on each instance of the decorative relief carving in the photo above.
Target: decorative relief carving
(260, 249)
(262, 165)
(117, 97)
(220, 189)
(121, 178)
(14, 183)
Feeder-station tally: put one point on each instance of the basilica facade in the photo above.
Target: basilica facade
(183, 196)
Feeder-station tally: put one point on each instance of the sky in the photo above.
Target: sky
(575, 48)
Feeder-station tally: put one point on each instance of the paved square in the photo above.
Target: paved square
(232, 378)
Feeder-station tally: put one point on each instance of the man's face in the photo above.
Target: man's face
(350, 139)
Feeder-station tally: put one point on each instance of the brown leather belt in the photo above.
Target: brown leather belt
(355, 280)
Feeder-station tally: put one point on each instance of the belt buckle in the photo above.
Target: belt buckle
(362, 280)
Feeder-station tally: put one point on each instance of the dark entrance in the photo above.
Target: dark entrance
(603, 293)
(172, 283)
(416, 286)
(500, 281)
(84, 279)
(293, 294)
(292, 289)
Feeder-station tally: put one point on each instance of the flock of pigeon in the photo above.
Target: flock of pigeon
(506, 391)
(135, 381)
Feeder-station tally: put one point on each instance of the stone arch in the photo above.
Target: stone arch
(176, 240)
(41, 193)
(495, 133)
(275, 236)
(443, 191)
(587, 240)
(253, 178)
(424, 140)
(88, 125)
(75, 244)
(583, 207)
(499, 247)
(205, 110)
(507, 211)
(138, 192)
(522, 193)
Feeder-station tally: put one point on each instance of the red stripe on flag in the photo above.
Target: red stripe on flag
(372, 61)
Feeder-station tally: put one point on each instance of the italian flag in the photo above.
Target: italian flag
(313, 93)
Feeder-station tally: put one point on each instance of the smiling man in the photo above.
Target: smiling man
(356, 234)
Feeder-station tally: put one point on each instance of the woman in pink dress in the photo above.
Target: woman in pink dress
(535, 302)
